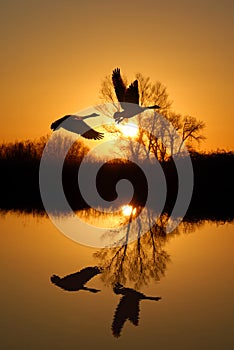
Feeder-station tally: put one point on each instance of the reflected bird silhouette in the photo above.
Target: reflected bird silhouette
(77, 280)
(128, 307)
(77, 125)
(128, 98)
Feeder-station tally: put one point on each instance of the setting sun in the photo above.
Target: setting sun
(129, 130)
(128, 210)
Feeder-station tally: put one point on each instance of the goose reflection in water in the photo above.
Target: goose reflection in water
(128, 307)
(76, 281)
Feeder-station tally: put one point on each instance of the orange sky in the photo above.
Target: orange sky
(54, 55)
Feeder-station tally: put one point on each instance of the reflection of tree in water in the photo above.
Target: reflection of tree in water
(142, 260)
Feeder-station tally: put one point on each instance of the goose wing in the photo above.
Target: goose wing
(132, 93)
(57, 122)
(78, 126)
(77, 280)
(119, 85)
(134, 310)
(87, 273)
(127, 309)
(120, 317)
(93, 135)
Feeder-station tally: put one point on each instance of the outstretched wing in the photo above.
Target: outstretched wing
(120, 317)
(127, 309)
(119, 85)
(87, 273)
(86, 131)
(134, 310)
(78, 126)
(132, 93)
(77, 280)
(93, 135)
(57, 122)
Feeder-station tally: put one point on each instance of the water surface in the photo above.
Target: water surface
(194, 280)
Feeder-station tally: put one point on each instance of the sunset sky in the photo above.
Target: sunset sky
(54, 55)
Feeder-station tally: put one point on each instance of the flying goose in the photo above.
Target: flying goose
(128, 307)
(76, 281)
(128, 98)
(76, 124)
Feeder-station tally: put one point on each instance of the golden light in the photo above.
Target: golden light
(128, 210)
(129, 130)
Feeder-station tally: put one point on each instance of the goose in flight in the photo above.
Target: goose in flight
(77, 125)
(76, 281)
(128, 307)
(128, 98)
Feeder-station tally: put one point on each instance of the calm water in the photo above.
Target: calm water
(191, 271)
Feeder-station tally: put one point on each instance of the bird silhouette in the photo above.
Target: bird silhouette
(76, 281)
(76, 124)
(128, 307)
(128, 98)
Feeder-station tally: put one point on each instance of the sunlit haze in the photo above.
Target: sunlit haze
(129, 130)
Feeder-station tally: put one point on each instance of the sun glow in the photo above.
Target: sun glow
(129, 130)
(128, 210)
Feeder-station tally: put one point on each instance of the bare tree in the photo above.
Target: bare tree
(153, 93)
(191, 131)
(107, 93)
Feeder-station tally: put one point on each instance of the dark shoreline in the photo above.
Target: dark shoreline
(212, 197)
